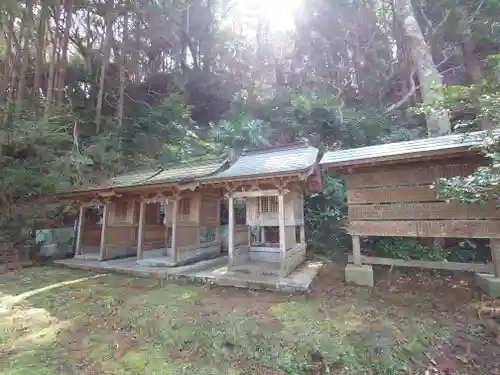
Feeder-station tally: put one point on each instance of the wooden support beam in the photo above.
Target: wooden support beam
(356, 250)
(230, 238)
(79, 229)
(217, 228)
(256, 193)
(105, 215)
(175, 214)
(281, 216)
(495, 256)
(427, 264)
(140, 230)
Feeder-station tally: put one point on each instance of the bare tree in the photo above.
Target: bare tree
(438, 123)
(24, 45)
(106, 49)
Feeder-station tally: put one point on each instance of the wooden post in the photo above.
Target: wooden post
(103, 231)
(303, 234)
(281, 215)
(263, 235)
(356, 250)
(175, 209)
(217, 228)
(495, 256)
(81, 218)
(230, 237)
(140, 230)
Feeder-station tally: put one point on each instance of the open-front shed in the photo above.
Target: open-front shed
(390, 193)
(163, 217)
(271, 183)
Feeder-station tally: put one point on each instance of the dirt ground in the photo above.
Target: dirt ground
(58, 321)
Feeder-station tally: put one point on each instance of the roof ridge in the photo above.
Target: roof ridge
(275, 148)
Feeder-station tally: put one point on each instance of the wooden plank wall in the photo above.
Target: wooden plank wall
(397, 200)
(91, 235)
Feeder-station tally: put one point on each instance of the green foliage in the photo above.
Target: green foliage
(408, 248)
(324, 214)
(479, 106)
(35, 160)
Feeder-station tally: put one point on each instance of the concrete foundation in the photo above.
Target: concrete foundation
(213, 271)
(359, 274)
(489, 284)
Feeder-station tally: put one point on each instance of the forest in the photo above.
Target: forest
(92, 88)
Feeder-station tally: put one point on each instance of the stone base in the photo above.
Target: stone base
(489, 284)
(359, 275)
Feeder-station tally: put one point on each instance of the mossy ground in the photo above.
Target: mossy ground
(58, 321)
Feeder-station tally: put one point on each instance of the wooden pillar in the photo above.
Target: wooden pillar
(281, 216)
(217, 228)
(263, 235)
(356, 250)
(230, 236)
(140, 230)
(303, 234)
(175, 213)
(495, 256)
(79, 229)
(103, 231)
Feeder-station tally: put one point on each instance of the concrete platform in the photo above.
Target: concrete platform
(213, 271)
(359, 274)
(489, 284)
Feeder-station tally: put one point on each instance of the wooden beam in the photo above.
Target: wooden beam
(79, 229)
(392, 195)
(428, 264)
(408, 174)
(428, 228)
(281, 217)
(230, 238)
(217, 228)
(495, 256)
(175, 214)
(103, 231)
(424, 211)
(356, 250)
(258, 193)
(140, 230)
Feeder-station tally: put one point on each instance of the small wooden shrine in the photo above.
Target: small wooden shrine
(272, 182)
(159, 216)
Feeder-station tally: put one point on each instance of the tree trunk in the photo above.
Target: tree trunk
(438, 123)
(106, 48)
(40, 49)
(123, 63)
(24, 43)
(8, 57)
(63, 58)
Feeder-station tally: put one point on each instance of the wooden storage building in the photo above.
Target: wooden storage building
(390, 193)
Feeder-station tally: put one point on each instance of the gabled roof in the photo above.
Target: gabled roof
(273, 160)
(188, 171)
(444, 145)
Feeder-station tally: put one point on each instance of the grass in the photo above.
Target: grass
(58, 321)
